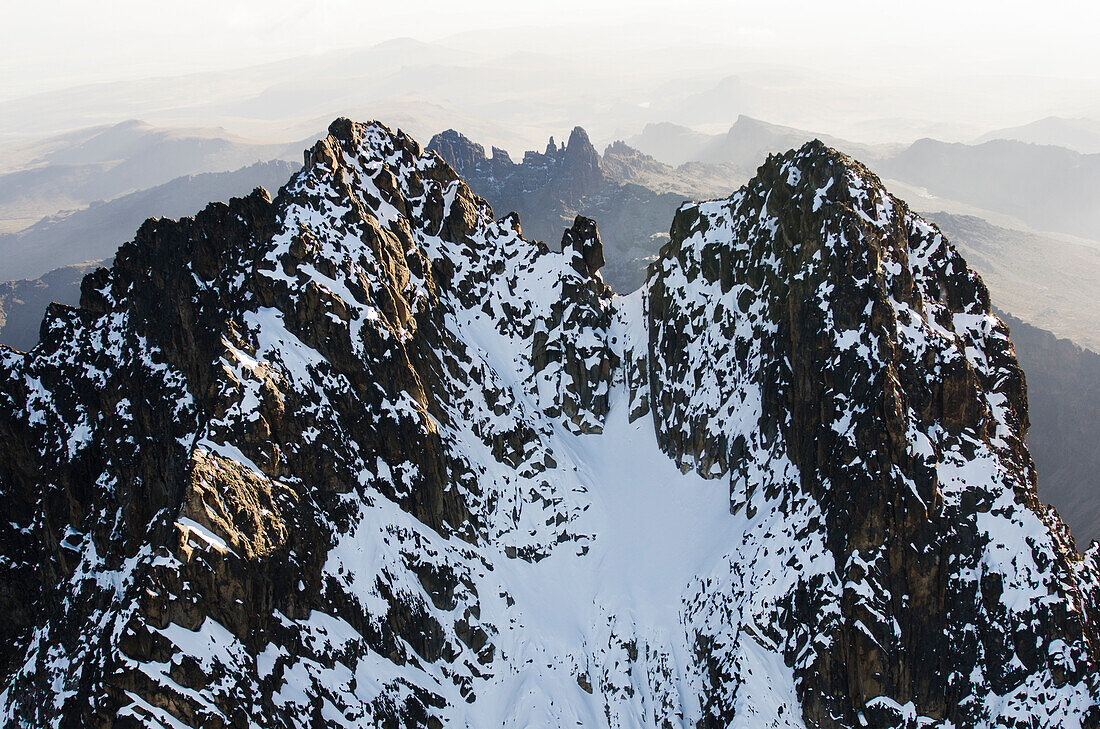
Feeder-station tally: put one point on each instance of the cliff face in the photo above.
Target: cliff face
(362, 455)
(559, 176)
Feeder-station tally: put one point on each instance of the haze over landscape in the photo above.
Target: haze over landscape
(983, 119)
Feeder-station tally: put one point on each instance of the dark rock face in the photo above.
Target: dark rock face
(362, 455)
(463, 155)
(583, 240)
(582, 162)
(580, 369)
(567, 173)
(570, 172)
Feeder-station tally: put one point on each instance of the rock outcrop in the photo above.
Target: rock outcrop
(631, 195)
(363, 455)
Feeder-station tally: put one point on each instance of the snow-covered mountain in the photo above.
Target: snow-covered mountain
(362, 455)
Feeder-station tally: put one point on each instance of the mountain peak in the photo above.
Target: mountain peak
(364, 452)
(820, 282)
(815, 188)
(373, 140)
(460, 152)
(816, 174)
(745, 122)
(583, 161)
(579, 141)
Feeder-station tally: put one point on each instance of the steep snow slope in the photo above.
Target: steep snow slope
(365, 456)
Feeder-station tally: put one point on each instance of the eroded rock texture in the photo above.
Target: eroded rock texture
(362, 455)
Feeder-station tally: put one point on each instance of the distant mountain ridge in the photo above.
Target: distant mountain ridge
(633, 196)
(69, 171)
(97, 231)
(1050, 188)
(23, 303)
(1063, 393)
(1049, 283)
(745, 145)
(1081, 135)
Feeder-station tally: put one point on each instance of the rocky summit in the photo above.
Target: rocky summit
(363, 455)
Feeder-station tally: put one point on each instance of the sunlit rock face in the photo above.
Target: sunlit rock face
(363, 455)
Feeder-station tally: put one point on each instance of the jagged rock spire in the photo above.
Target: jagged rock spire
(583, 238)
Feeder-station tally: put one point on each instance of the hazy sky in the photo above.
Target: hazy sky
(50, 44)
